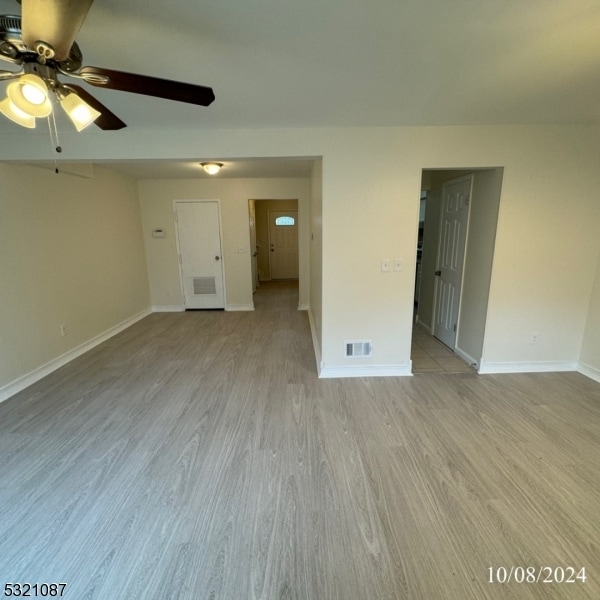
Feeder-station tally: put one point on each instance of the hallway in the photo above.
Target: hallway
(429, 355)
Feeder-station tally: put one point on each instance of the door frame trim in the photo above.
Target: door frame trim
(178, 248)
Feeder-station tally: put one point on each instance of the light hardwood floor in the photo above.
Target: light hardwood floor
(197, 456)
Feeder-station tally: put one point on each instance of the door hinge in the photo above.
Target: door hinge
(454, 327)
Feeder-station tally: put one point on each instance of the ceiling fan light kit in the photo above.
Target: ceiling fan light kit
(41, 42)
(8, 109)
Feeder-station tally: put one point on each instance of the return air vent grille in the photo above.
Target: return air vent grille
(204, 286)
(359, 349)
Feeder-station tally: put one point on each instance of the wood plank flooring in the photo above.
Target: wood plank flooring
(197, 456)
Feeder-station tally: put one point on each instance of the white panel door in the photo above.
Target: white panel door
(200, 257)
(456, 196)
(283, 240)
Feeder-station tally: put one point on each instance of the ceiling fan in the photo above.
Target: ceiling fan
(41, 42)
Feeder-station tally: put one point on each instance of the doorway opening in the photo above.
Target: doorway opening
(456, 237)
(274, 240)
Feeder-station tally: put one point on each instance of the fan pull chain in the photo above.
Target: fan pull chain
(54, 142)
(58, 147)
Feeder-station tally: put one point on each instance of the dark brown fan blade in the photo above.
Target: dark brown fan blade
(55, 22)
(107, 120)
(148, 86)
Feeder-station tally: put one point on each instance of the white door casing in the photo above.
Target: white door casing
(283, 245)
(456, 195)
(198, 227)
(253, 246)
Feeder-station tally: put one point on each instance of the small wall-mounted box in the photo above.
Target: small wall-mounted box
(159, 232)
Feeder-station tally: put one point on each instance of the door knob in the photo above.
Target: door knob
(438, 273)
(217, 258)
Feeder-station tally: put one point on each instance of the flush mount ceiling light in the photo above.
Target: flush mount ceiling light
(212, 168)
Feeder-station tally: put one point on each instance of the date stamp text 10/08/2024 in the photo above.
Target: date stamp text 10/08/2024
(545, 575)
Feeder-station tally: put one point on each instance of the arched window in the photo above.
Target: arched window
(285, 221)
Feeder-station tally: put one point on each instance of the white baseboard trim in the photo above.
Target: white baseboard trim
(525, 367)
(589, 371)
(239, 307)
(404, 370)
(426, 327)
(168, 308)
(466, 357)
(315, 341)
(32, 377)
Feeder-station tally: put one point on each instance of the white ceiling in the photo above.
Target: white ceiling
(325, 63)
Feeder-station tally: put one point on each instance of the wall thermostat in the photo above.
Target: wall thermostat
(159, 232)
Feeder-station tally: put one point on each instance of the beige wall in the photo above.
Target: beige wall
(548, 216)
(156, 200)
(590, 353)
(479, 257)
(479, 252)
(547, 241)
(71, 253)
(316, 257)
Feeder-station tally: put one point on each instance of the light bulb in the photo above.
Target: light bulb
(33, 94)
(212, 168)
(29, 93)
(79, 111)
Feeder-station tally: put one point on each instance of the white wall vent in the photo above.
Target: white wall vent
(359, 349)
(204, 285)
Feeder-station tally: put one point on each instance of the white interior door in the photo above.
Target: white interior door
(456, 196)
(283, 241)
(200, 257)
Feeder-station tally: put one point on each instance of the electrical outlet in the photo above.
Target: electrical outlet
(535, 336)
